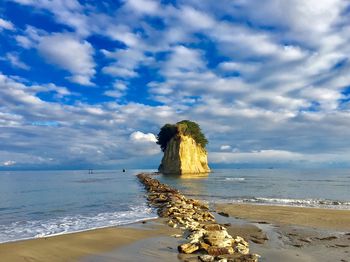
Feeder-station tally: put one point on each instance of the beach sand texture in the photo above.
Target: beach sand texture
(309, 217)
(152, 241)
(71, 247)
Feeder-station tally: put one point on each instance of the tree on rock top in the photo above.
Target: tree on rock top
(184, 127)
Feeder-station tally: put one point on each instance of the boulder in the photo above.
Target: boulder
(206, 258)
(216, 251)
(188, 248)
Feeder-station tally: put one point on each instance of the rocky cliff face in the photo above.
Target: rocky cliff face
(184, 156)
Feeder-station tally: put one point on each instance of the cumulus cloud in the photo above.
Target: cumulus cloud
(148, 7)
(6, 25)
(67, 12)
(69, 53)
(144, 143)
(119, 90)
(138, 136)
(126, 62)
(269, 85)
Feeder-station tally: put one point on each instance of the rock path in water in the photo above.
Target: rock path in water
(206, 238)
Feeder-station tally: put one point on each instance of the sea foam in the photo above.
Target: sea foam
(21, 230)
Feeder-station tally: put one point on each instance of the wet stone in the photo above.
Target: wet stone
(204, 235)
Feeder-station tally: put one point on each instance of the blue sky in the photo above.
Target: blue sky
(89, 83)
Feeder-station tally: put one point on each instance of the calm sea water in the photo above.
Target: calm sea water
(42, 203)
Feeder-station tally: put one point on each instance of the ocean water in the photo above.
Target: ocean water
(43, 203)
(326, 188)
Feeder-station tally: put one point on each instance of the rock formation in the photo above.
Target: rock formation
(204, 237)
(182, 153)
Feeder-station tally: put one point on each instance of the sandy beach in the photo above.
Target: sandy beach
(276, 233)
(294, 233)
(75, 246)
(309, 217)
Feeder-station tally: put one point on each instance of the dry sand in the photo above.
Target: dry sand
(300, 216)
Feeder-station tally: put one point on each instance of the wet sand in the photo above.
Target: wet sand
(276, 233)
(74, 246)
(295, 234)
(299, 216)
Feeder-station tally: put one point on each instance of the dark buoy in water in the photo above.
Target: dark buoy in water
(124, 170)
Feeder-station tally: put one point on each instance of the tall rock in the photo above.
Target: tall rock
(183, 155)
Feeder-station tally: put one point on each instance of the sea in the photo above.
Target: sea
(37, 204)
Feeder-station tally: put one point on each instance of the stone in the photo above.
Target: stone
(216, 234)
(196, 235)
(219, 242)
(171, 223)
(203, 246)
(206, 258)
(203, 232)
(241, 240)
(242, 249)
(216, 251)
(223, 214)
(188, 248)
(213, 227)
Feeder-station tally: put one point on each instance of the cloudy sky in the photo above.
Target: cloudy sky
(89, 83)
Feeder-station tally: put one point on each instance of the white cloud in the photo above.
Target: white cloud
(9, 163)
(225, 147)
(276, 157)
(67, 12)
(270, 82)
(114, 93)
(138, 136)
(119, 90)
(69, 53)
(327, 98)
(126, 62)
(263, 156)
(7, 25)
(15, 61)
(30, 37)
(148, 7)
(195, 18)
(144, 143)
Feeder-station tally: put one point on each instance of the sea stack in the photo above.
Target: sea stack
(184, 150)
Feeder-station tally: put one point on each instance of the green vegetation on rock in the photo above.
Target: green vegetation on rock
(184, 127)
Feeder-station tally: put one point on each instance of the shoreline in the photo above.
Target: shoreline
(335, 207)
(153, 237)
(75, 246)
(83, 230)
(215, 205)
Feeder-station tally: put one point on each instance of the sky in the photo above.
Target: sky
(88, 84)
